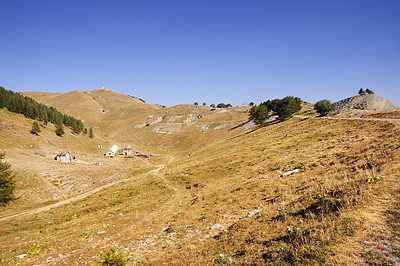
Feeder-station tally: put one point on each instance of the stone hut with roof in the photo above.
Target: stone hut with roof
(127, 150)
(63, 156)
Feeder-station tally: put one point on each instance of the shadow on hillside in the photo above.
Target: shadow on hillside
(270, 123)
(242, 124)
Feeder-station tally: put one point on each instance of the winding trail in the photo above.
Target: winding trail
(79, 197)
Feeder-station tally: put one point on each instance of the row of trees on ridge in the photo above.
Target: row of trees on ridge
(367, 91)
(20, 104)
(284, 108)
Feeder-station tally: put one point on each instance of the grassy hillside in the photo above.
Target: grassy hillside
(213, 193)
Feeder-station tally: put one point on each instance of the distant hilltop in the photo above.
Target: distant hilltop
(369, 102)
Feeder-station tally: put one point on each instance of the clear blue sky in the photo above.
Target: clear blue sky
(171, 52)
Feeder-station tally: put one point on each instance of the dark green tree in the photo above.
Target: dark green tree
(212, 105)
(196, 103)
(45, 118)
(361, 91)
(60, 129)
(258, 114)
(323, 107)
(251, 103)
(91, 133)
(287, 107)
(85, 131)
(221, 105)
(204, 104)
(369, 91)
(272, 104)
(35, 128)
(7, 183)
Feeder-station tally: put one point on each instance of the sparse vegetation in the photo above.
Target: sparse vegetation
(218, 196)
(114, 257)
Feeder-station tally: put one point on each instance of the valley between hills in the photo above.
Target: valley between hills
(214, 189)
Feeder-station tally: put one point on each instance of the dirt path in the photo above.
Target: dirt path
(55, 205)
(81, 196)
(348, 118)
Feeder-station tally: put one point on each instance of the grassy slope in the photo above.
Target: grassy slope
(322, 214)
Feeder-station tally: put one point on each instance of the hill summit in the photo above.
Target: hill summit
(370, 102)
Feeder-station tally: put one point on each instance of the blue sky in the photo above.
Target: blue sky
(172, 52)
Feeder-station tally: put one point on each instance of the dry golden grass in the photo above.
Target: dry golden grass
(164, 210)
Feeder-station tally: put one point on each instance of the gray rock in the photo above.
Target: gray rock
(215, 226)
(252, 213)
(289, 173)
(21, 256)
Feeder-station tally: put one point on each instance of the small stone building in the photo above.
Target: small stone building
(112, 151)
(127, 150)
(63, 156)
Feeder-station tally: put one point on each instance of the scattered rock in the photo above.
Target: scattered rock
(289, 173)
(21, 256)
(215, 226)
(252, 213)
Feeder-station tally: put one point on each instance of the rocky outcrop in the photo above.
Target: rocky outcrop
(369, 102)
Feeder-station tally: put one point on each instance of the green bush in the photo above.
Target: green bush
(323, 107)
(114, 257)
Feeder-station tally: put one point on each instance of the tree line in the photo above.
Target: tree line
(284, 108)
(20, 104)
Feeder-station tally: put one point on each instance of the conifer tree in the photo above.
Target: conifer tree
(35, 128)
(369, 91)
(7, 184)
(60, 129)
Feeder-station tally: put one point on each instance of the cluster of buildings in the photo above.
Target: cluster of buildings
(65, 156)
(127, 151)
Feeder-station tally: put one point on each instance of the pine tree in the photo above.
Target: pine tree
(369, 91)
(45, 118)
(60, 129)
(7, 184)
(91, 133)
(85, 131)
(361, 91)
(35, 128)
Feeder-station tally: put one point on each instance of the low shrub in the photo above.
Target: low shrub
(114, 257)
